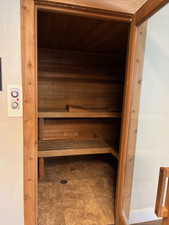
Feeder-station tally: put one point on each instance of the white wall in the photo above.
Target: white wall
(153, 133)
(11, 148)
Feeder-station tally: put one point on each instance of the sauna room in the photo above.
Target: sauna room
(81, 74)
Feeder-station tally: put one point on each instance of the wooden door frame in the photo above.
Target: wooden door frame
(131, 102)
(29, 77)
(131, 108)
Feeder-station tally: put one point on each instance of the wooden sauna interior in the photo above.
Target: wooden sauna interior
(81, 75)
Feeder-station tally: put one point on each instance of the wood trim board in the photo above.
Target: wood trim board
(121, 216)
(79, 115)
(136, 92)
(149, 9)
(129, 125)
(87, 12)
(122, 8)
(28, 26)
(157, 222)
(89, 151)
(100, 6)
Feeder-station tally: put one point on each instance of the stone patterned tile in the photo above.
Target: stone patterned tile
(87, 198)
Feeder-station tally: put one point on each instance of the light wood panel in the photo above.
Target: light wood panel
(121, 6)
(146, 8)
(30, 110)
(142, 10)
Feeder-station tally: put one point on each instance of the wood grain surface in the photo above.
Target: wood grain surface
(121, 6)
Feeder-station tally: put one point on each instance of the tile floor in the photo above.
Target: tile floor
(77, 191)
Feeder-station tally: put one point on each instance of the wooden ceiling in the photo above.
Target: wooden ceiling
(123, 6)
(67, 32)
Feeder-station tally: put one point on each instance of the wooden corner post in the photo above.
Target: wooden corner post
(28, 15)
(135, 60)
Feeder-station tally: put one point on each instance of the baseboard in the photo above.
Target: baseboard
(142, 215)
(156, 222)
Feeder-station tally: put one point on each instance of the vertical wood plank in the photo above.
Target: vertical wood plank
(41, 128)
(159, 209)
(137, 82)
(166, 220)
(121, 217)
(162, 199)
(130, 121)
(41, 167)
(30, 111)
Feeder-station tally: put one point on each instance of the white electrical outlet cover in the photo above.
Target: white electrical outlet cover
(14, 94)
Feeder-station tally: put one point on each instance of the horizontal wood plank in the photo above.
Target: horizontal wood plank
(68, 148)
(121, 6)
(79, 76)
(79, 115)
(82, 129)
(74, 78)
